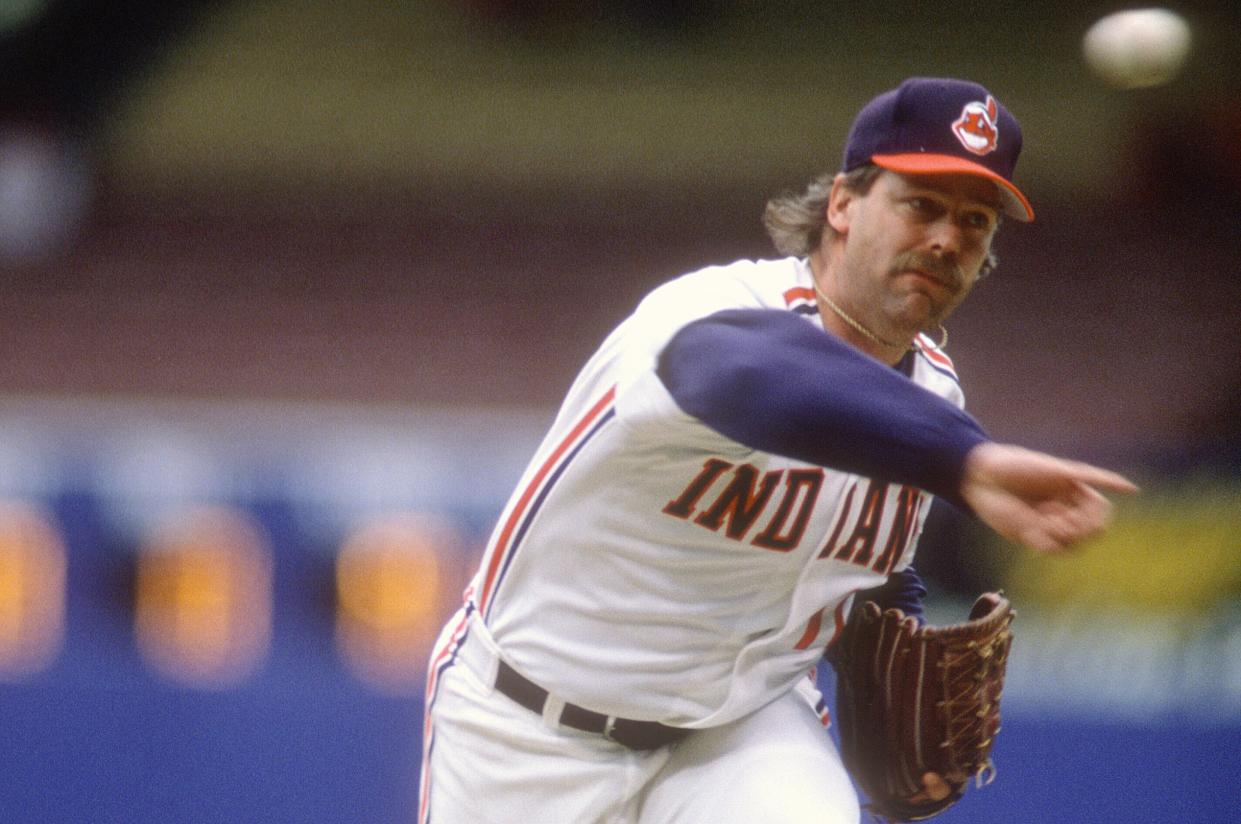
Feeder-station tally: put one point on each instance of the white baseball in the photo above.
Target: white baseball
(1139, 48)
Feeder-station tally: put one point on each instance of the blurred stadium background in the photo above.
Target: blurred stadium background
(292, 288)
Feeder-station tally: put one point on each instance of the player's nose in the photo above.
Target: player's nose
(944, 236)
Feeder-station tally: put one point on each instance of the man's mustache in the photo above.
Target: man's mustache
(943, 269)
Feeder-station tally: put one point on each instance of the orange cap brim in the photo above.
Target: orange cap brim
(920, 163)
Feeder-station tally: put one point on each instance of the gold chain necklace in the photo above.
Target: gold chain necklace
(862, 330)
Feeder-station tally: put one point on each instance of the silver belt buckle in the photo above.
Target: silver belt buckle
(608, 726)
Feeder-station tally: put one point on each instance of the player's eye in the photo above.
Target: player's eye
(979, 221)
(923, 206)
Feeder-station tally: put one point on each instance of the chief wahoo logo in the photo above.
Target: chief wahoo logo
(976, 127)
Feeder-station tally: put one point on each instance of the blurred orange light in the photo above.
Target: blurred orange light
(204, 598)
(392, 577)
(32, 590)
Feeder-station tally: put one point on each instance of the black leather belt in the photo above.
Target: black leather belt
(636, 735)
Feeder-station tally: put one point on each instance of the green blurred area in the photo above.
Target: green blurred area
(1175, 549)
(581, 98)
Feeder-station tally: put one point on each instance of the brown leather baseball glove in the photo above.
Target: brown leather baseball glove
(913, 699)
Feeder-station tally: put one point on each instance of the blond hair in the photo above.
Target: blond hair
(796, 222)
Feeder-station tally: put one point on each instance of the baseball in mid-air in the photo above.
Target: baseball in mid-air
(1138, 48)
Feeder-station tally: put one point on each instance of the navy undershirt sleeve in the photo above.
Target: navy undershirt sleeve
(767, 379)
(903, 590)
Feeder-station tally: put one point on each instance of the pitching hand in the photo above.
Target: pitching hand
(1046, 503)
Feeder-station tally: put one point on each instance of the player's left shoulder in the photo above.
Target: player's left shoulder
(935, 370)
(934, 357)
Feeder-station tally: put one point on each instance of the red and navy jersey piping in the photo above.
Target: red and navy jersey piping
(535, 494)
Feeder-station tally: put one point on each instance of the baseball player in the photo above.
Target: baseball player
(754, 445)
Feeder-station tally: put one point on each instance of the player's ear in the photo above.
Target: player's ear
(840, 205)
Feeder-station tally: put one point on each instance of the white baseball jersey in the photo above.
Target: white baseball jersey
(649, 567)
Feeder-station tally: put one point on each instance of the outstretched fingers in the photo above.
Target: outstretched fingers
(1046, 503)
(1081, 514)
(1099, 478)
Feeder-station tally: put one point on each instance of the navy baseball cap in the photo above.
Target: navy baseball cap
(933, 125)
